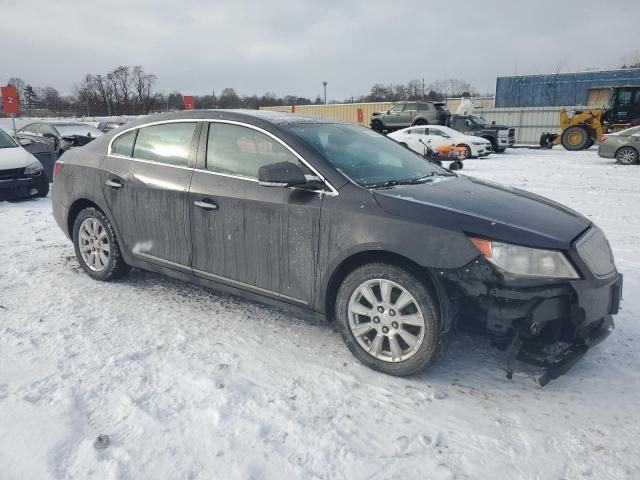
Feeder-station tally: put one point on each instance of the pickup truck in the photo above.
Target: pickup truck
(500, 136)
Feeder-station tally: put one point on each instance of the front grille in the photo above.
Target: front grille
(11, 173)
(594, 249)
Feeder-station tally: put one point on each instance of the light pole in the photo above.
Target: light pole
(324, 84)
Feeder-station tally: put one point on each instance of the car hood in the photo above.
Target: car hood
(486, 209)
(15, 158)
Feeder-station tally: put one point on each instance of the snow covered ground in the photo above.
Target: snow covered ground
(190, 383)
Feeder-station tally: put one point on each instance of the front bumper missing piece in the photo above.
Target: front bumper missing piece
(560, 361)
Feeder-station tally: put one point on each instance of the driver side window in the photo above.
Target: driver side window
(396, 108)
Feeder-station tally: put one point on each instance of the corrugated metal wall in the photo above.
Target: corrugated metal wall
(559, 89)
(347, 112)
(530, 122)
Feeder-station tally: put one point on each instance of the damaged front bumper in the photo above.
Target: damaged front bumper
(550, 325)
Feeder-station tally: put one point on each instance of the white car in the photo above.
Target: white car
(21, 174)
(437, 135)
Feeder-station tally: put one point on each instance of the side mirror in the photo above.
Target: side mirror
(24, 142)
(281, 174)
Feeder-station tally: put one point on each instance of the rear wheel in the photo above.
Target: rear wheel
(575, 138)
(421, 121)
(388, 319)
(627, 155)
(96, 246)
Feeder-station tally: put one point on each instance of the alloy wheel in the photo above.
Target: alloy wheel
(386, 320)
(627, 156)
(94, 245)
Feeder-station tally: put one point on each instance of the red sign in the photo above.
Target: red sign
(189, 103)
(360, 115)
(10, 102)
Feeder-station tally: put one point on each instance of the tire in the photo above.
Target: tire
(377, 125)
(627, 156)
(455, 166)
(421, 121)
(468, 153)
(460, 164)
(590, 143)
(499, 149)
(404, 145)
(97, 233)
(43, 188)
(405, 348)
(575, 138)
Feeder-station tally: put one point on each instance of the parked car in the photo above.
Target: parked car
(623, 146)
(416, 137)
(405, 114)
(21, 174)
(333, 219)
(107, 126)
(62, 135)
(500, 136)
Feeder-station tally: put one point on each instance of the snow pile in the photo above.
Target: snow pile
(190, 383)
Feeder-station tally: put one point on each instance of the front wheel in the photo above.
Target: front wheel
(388, 319)
(96, 246)
(377, 125)
(43, 187)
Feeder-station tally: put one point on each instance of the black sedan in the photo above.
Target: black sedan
(333, 219)
(61, 135)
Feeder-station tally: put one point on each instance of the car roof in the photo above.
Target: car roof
(254, 117)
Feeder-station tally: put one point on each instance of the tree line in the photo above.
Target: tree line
(130, 90)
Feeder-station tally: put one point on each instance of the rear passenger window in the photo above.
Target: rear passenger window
(167, 143)
(241, 151)
(123, 145)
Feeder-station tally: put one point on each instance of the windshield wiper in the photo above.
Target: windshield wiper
(411, 181)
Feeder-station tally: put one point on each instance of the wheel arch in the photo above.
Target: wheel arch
(615, 155)
(349, 264)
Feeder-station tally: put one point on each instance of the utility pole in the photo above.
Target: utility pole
(423, 89)
(324, 84)
(213, 92)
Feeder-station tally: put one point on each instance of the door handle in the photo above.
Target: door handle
(114, 183)
(206, 204)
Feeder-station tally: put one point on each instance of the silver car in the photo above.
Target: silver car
(624, 146)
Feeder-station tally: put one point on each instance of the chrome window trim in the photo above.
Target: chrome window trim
(332, 190)
(153, 162)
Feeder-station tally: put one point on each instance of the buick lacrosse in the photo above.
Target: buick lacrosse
(337, 220)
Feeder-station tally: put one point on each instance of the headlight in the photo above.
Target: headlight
(33, 169)
(503, 133)
(525, 261)
(480, 143)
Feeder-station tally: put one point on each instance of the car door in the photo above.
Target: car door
(393, 117)
(437, 137)
(414, 135)
(146, 178)
(261, 239)
(408, 114)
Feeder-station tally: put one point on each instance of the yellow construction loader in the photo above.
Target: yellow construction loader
(587, 127)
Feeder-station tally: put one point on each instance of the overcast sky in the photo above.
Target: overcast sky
(290, 47)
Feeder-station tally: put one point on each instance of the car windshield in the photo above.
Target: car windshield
(446, 130)
(367, 157)
(80, 129)
(6, 141)
(478, 120)
(630, 131)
